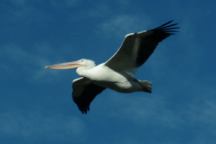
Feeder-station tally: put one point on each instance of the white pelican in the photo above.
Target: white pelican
(117, 72)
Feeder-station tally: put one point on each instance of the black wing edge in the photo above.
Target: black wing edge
(84, 100)
(153, 37)
(167, 29)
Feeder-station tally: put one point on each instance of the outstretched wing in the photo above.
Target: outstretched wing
(84, 91)
(137, 47)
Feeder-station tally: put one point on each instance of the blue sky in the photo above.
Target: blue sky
(36, 105)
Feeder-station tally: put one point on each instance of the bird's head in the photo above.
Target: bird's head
(71, 65)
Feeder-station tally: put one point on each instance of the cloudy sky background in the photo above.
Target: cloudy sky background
(36, 105)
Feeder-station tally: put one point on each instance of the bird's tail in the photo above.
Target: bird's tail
(146, 85)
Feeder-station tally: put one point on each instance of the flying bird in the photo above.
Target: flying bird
(117, 73)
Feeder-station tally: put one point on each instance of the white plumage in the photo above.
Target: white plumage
(117, 72)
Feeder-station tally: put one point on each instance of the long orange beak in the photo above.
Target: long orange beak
(64, 66)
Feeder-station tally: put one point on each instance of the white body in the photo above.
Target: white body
(115, 73)
(106, 77)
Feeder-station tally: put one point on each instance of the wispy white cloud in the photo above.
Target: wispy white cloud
(202, 111)
(22, 10)
(23, 3)
(156, 109)
(125, 23)
(144, 108)
(71, 2)
(26, 61)
(119, 24)
(145, 113)
(66, 3)
(19, 3)
(17, 9)
(34, 125)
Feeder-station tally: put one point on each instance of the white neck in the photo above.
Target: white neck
(85, 66)
(84, 71)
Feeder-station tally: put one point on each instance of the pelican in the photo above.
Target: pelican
(117, 73)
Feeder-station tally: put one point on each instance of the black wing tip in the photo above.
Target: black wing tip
(170, 27)
(83, 108)
(169, 23)
(84, 112)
